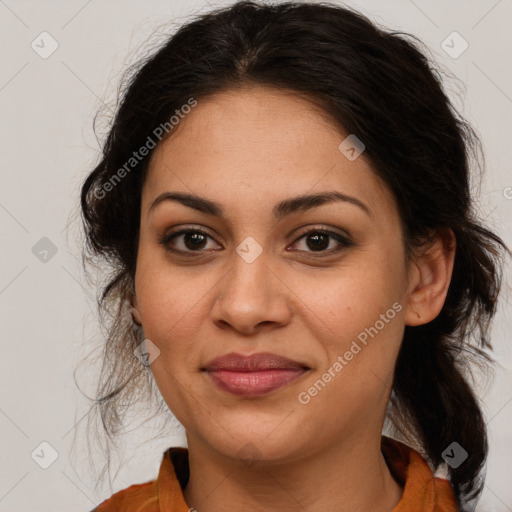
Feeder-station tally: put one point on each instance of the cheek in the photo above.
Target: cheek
(352, 384)
(362, 332)
(359, 320)
(173, 304)
(351, 299)
(169, 296)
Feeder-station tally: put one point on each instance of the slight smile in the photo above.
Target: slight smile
(254, 375)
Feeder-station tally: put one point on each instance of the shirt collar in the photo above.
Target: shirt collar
(421, 490)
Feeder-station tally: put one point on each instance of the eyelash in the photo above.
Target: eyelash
(343, 241)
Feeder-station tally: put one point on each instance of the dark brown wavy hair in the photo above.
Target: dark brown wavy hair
(380, 85)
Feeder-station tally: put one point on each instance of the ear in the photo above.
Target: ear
(429, 278)
(135, 309)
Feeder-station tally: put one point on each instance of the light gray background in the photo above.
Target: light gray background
(47, 147)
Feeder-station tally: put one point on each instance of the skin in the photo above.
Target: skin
(248, 149)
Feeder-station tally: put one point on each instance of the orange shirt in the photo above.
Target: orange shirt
(422, 491)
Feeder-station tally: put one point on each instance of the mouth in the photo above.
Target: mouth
(255, 375)
(254, 383)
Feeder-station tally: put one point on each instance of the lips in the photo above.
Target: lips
(254, 375)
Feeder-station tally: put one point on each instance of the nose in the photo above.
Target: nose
(251, 297)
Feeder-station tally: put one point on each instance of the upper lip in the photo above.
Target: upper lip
(255, 362)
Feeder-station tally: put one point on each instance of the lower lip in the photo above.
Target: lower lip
(254, 383)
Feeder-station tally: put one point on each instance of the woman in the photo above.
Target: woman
(284, 198)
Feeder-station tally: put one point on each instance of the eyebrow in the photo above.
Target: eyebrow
(282, 209)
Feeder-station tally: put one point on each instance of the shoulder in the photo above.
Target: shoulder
(163, 493)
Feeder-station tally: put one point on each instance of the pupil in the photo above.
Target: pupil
(196, 238)
(318, 242)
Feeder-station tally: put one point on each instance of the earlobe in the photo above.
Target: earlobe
(430, 278)
(135, 310)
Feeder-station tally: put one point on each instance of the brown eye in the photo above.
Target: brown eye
(186, 241)
(321, 241)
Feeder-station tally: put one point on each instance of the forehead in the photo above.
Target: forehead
(259, 143)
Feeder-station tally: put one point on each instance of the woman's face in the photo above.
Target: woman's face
(249, 281)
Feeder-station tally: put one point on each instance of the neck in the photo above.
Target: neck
(350, 476)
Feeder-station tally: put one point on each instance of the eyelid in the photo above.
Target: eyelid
(168, 236)
(344, 242)
(323, 229)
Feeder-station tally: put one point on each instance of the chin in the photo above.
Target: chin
(252, 439)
